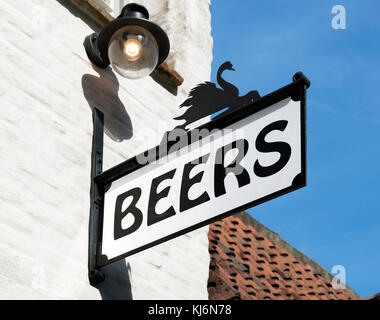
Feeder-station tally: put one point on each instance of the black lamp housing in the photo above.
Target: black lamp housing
(96, 45)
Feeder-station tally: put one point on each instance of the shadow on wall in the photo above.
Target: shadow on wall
(117, 285)
(102, 93)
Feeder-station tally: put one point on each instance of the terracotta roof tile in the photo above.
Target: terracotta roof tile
(246, 264)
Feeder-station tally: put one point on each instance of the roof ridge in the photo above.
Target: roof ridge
(274, 237)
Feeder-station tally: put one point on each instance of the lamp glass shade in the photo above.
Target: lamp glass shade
(133, 52)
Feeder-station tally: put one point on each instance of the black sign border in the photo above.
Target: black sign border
(295, 90)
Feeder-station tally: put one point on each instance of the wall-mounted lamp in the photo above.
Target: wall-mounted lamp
(132, 44)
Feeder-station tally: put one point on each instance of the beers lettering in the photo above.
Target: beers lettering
(244, 175)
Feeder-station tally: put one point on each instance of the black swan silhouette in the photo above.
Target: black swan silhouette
(206, 99)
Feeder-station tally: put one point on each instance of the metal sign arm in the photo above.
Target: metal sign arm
(94, 274)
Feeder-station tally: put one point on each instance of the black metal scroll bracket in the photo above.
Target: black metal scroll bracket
(100, 181)
(94, 274)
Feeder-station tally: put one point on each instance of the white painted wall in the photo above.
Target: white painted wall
(46, 88)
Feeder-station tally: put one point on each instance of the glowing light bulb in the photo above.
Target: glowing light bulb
(133, 52)
(132, 49)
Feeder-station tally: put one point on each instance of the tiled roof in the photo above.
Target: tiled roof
(374, 297)
(248, 261)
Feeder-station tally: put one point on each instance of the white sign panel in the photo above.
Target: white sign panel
(248, 156)
(246, 163)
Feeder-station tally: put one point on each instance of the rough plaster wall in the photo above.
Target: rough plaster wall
(47, 91)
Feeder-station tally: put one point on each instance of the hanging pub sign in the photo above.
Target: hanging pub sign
(252, 152)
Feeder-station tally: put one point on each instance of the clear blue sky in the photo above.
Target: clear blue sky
(335, 219)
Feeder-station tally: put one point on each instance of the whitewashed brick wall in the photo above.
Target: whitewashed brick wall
(47, 86)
